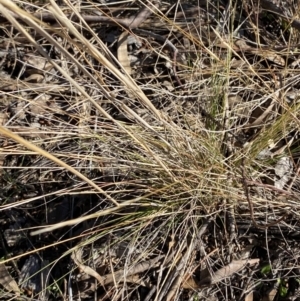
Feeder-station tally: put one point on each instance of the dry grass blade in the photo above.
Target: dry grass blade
(133, 202)
(7, 133)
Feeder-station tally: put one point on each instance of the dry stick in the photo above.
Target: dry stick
(245, 183)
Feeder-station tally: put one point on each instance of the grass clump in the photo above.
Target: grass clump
(144, 145)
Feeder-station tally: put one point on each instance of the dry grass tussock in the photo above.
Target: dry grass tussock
(149, 150)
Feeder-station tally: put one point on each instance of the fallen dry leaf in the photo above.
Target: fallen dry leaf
(7, 281)
(227, 271)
